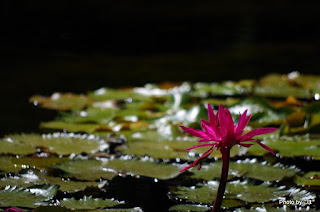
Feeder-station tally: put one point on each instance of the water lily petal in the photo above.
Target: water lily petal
(196, 162)
(208, 129)
(264, 146)
(245, 145)
(258, 131)
(201, 145)
(212, 117)
(197, 133)
(243, 121)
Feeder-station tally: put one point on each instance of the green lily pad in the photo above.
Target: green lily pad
(227, 102)
(170, 149)
(311, 125)
(309, 179)
(276, 85)
(7, 166)
(286, 147)
(107, 169)
(206, 193)
(52, 208)
(117, 94)
(90, 170)
(75, 127)
(59, 143)
(135, 209)
(88, 203)
(263, 114)
(264, 207)
(31, 198)
(247, 168)
(40, 163)
(228, 88)
(91, 115)
(35, 177)
(60, 101)
(188, 208)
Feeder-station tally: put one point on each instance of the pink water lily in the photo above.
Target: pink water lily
(221, 133)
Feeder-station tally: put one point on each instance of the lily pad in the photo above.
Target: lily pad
(88, 203)
(188, 208)
(59, 143)
(228, 88)
(248, 168)
(35, 177)
(135, 209)
(75, 127)
(263, 114)
(309, 179)
(7, 166)
(91, 115)
(107, 169)
(40, 163)
(286, 147)
(276, 85)
(170, 150)
(117, 94)
(31, 198)
(206, 193)
(60, 101)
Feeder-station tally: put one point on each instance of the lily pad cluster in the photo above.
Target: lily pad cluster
(109, 135)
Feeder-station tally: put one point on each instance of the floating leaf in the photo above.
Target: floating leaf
(136, 209)
(263, 113)
(205, 193)
(116, 94)
(32, 197)
(168, 149)
(7, 166)
(91, 115)
(187, 208)
(73, 127)
(276, 85)
(88, 203)
(34, 177)
(247, 168)
(289, 147)
(59, 143)
(107, 169)
(309, 179)
(51, 208)
(39, 163)
(228, 88)
(60, 101)
(90, 170)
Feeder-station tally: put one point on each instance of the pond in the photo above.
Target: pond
(122, 149)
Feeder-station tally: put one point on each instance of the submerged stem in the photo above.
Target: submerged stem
(223, 179)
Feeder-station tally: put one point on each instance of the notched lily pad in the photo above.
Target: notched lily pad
(59, 143)
(89, 203)
(34, 177)
(236, 190)
(309, 179)
(289, 147)
(189, 208)
(276, 85)
(107, 169)
(31, 198)
(75, 127)
(263, 114)
(248, 168)
(175, 149)
(59, 101)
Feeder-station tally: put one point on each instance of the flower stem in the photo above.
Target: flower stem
(223, 179)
